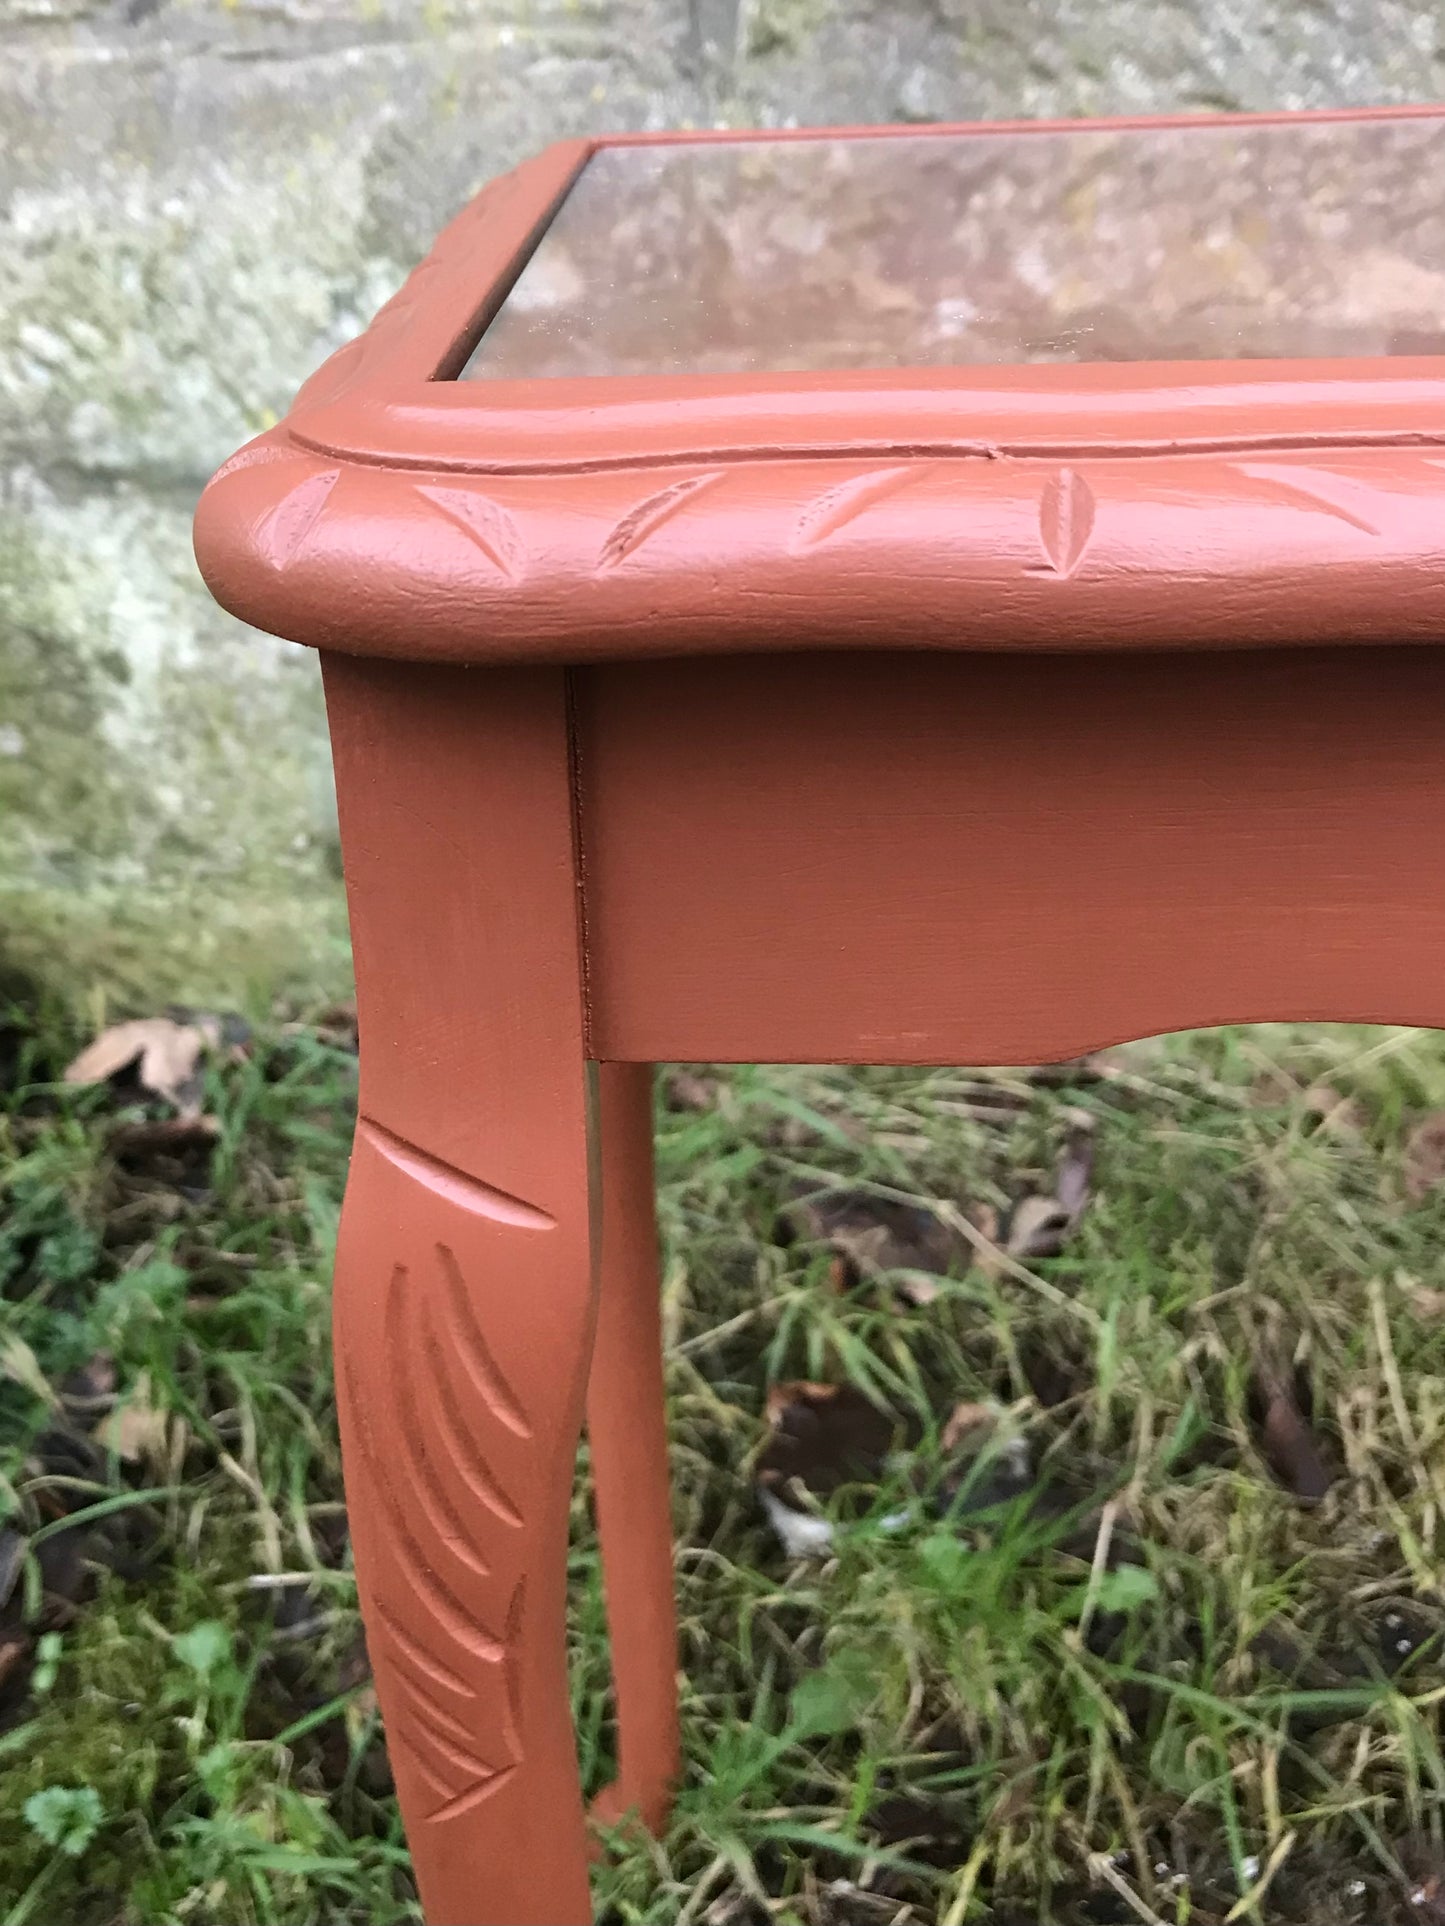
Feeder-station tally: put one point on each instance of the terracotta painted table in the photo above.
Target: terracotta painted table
(942, 597)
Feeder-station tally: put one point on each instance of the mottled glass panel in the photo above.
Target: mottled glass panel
(1188, 243)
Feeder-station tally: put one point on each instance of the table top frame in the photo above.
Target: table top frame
(1213, 504)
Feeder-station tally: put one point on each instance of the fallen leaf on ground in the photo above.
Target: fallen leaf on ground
(1333, 1112)
(167, 1056)
(1423, 1864)
(877, 1237)
(686, 1090)
(15, 1646)
(1075, 1171)
(1287, 1438)
(136, 1430)
(824, 1436)
(19, 1362)
(935, 1832)
(982, 1469)
(1424, 1169)
(1040, 1226)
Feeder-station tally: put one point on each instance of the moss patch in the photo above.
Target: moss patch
(166, 827)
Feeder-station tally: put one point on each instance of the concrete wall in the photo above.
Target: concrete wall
(198, 201)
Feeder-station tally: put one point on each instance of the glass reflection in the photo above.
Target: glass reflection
(1090, 245)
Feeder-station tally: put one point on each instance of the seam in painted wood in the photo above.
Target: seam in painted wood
(579, 852)
(1164, 448)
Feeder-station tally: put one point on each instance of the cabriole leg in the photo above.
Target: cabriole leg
(627, 1436)
(465, 1280)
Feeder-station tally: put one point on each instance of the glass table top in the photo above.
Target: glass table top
(1158, 244)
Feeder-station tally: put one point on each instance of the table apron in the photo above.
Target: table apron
(991, 859)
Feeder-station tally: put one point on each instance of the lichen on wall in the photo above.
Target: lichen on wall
(165, 820)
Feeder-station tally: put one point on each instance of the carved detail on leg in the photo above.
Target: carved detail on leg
(465, 1281)
(460, 1405)
(627, 1432)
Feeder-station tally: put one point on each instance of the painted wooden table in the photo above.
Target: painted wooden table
(931, 597)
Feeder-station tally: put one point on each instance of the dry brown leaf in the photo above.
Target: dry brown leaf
(1423, 1864)
(19, 1362)
(1426, 1302)
(167, 1055)
(1288, 1440)
(1037, 1227)
(1425, 1157)
(1273, 1088)
(824, 1436)
(686, 1090)
(136, 1430)
(14, 1650)
(972, 1434)
(1040, 1226)
(1075, 1172)
(964, 1424)
(1336, 1114)
(873, 1237)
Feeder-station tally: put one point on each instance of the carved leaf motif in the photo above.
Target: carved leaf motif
(463, 1452)
(649, 515)
(256, 454)
(467, 1193)
(422, 1443)
(285, 529)
(1066, 519)
(488, 525)
(836, 507)
(1311, 488)
(473, 1354)
(393, 1477)
(427, 1485)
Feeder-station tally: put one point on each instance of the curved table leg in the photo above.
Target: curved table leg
(627, 1435)
(465, 1279)
(459, 1429)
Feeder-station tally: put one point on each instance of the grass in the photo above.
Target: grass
(1153, 1684)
